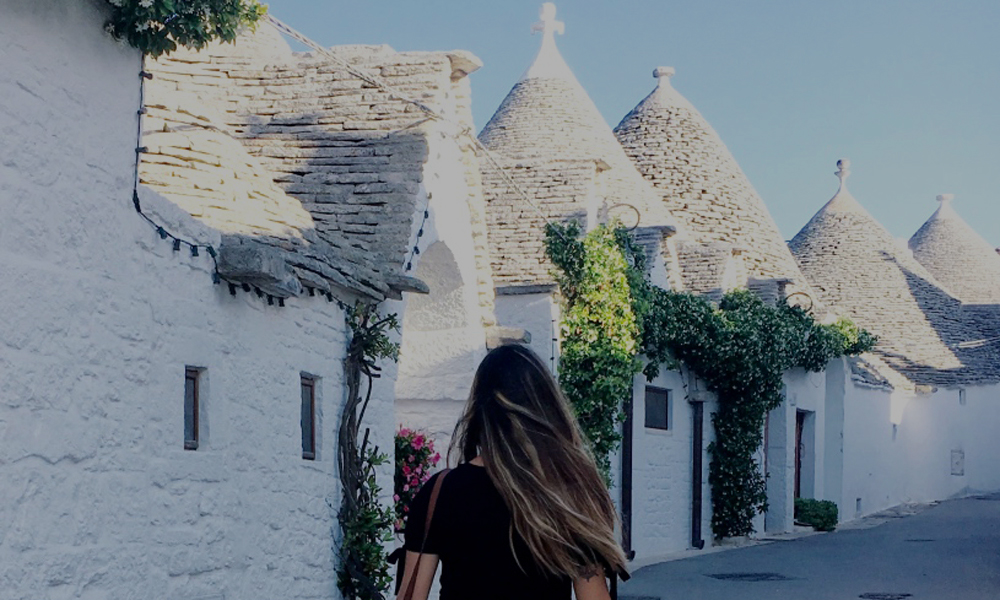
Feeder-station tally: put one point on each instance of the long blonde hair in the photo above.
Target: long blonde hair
(534, 453)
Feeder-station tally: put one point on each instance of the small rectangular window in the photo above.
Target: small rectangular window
(308, 418)
(191, 407)
(657, 408)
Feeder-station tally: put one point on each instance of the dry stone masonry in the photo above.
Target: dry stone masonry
(559, 150)
(294, 152)
(856, 265)
(700, 182)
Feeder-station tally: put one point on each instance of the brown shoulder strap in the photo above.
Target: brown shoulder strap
(435, 492)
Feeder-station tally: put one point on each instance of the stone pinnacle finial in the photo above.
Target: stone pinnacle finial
(844, 170)
(945, 198)
(548, 24)
(663, 75)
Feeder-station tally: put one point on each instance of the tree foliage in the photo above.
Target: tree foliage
(159, 26)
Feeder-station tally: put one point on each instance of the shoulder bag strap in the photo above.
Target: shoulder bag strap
(435, 491)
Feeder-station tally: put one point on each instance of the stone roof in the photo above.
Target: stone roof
(679, 152)
(563, 155)
(958, 256)
(291, 152)
(857, 266)
(711, 269)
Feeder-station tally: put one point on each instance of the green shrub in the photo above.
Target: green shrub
(820, 514)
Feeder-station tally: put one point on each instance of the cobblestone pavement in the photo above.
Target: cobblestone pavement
(944, 551)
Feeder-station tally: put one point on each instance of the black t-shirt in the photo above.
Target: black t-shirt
(470, 533)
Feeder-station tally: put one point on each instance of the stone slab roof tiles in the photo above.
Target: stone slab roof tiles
(302, 154)
(957, 256)
(711, 269)
(548, 126)
(857, 266)
(679, 152)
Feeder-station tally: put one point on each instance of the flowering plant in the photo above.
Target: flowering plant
(415, 458)
(159, 26)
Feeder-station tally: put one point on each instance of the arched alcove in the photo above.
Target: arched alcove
(441, 343)
(444, 306)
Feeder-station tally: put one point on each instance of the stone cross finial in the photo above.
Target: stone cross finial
(548, 24)
(844, 169)
(945, 198)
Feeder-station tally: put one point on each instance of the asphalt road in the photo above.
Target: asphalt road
(947, 551)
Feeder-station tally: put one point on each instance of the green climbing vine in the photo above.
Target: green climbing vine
(599, 332)
(363, 569)
(158, 26)
(740, 348)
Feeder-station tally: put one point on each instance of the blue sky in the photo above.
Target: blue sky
(909, 90)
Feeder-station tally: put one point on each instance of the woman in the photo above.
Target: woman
(526, 514)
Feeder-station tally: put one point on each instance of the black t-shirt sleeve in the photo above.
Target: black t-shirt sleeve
(413, 536)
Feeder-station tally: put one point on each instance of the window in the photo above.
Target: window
(658, 405)
(192, 375)
(308, 385)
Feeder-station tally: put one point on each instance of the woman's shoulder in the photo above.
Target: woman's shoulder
(461, 478)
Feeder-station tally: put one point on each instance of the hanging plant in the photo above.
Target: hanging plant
(159, 26)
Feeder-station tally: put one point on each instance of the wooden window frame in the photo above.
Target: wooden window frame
(668, 393)
(192, 378)
(308, 410)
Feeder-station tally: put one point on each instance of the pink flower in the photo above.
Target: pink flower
(406, 488)
(406, 471)
(404, 432)
(395, 497)
(414, 482)
(435, 458)
(418, 441)
(409, 458)
(420, 469)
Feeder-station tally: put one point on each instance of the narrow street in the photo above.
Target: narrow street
(943, 552)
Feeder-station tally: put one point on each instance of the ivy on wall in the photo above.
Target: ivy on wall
(159, 26)
(739, 348)
(363, 570)
(599, 332)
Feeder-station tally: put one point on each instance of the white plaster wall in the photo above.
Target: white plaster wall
(662, 474)
(804, 391)
(443, 335)
(898, 446)
(98, 318)
(539, 315)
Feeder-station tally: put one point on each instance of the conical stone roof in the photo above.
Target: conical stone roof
(855, 264)
(676, 149)
(562, 154)
(958, 256)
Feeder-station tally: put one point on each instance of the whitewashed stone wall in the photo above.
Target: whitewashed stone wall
(539, 315)
(806, 392)
(443, 332)
(899, 447)
(662, 474)
(98, 318)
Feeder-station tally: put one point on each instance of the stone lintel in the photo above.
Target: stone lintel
(497, 336)
(405, 283)
(244, 260)
(521, 290)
